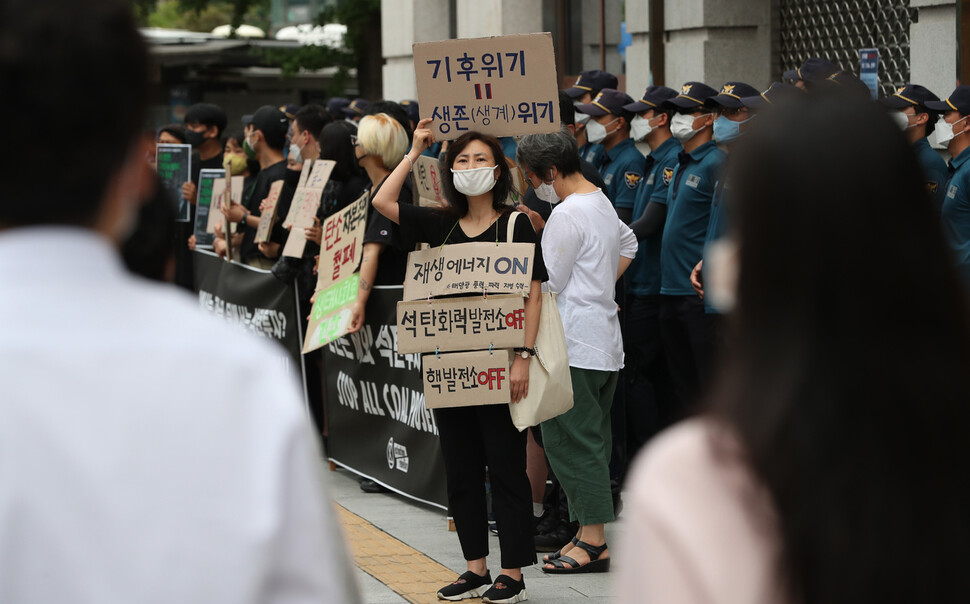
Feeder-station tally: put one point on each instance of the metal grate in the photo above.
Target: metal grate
(837, 30)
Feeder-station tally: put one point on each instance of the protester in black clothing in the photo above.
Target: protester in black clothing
(150, 251)
(380, 144)
(204, 126)
(476, 185)
(264, 142)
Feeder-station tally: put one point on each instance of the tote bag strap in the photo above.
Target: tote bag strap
(510, 232)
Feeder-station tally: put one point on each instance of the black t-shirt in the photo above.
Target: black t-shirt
(543, 208)
(392, 263)
(435, 227)
(252, 197)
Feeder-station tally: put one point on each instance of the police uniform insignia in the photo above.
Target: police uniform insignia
(598, 97)
(632, 179)
(931, 187)
(728, 89)
(650, 179)
(590, 156)
(579, 79)
(952, 192)
(608, 178)
(693, 181)
(668, 174)
(901, 89)
(685, 89)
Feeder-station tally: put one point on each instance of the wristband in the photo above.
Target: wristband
(410, 163)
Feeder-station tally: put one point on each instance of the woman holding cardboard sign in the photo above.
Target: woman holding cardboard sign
(473, 437)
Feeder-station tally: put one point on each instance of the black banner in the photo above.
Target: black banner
(377, 423)
(255, 300)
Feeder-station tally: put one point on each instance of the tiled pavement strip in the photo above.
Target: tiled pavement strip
(400, 567)
(404, 552)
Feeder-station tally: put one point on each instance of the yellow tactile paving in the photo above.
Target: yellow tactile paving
(409, 573)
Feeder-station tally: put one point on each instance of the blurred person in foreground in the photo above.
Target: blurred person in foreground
(121, 484)
(831, 463)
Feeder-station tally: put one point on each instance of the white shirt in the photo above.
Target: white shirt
(581, 246)
(698, 528)
(148, 453)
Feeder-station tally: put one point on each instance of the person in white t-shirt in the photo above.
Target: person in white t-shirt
(587, 248)
(148, 453)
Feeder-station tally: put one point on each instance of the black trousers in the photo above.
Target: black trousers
(688, 340)
(471, 439)
(650, 403)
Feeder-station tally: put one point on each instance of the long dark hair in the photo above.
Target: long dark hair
(457, 202)
(849, 384)
(335, 145)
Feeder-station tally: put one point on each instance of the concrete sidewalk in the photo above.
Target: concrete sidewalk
(407, 576)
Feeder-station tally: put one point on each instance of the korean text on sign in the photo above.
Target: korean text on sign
(500, 268)
(504, 85)
(463, 323)
(465, 378)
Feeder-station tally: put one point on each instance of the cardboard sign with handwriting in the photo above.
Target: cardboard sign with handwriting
(295, 243)
(342, 242)
(330, 315)
(215, 215)
(304, 208)
(320, 173)
(462, 379)
(466, 323)
(503, 85)
(268, 215)
(427, 182)
(494, 268)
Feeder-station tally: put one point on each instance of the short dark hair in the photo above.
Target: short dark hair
(540, 153)
(457, 202)
(312, 118)
(176, 130)
(207, 114)
(567, 111)
(91, 57)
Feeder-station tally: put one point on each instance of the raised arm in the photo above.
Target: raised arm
(385, 201)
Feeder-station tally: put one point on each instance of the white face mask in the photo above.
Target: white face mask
(581, 118)
(901, 119)
(682, 126)
(296, 154)
(640, 128)
(474, 181)
(596, 132)
(721, 274)
(547, 193)
(944, 130)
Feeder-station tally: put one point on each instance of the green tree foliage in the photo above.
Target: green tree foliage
(202, 15)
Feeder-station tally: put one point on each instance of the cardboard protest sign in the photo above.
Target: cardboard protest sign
(295, 243)
(500, 268)
(215, 216)
(343, 242)
(330, 315)
(461, 379)
(320, 173)
(466, 323)
(304, 207)
(207, 181)
(504, 85)
(304, 173)
(174, 166)
(427, 182)
(268, 215)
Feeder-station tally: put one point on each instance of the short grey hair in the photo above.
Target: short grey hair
(540, 153)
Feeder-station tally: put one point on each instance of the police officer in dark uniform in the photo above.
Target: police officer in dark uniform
(917, 122)
(587, 86)
(645, 370)
(684, 326)
(952, 131)
(623, 164)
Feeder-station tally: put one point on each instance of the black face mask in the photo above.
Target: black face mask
(292, 177)
(196, 139)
